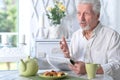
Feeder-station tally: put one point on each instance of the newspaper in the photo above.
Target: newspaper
(60, 63)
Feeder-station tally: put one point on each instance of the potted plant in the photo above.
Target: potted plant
(55, 15)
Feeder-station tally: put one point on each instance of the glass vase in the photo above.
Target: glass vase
(55, 32)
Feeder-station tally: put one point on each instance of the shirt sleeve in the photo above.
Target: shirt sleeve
(113, 56)
(74, 46)
(71, 46)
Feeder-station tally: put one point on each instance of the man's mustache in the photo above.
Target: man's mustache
(82, 22)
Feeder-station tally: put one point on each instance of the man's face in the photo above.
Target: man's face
(87, 18)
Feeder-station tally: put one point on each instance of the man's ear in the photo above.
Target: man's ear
(98, 15)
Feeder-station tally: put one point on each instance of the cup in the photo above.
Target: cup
(91, 69)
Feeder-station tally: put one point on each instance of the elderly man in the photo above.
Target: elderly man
(95, 43)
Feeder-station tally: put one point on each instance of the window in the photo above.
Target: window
(8, 22)
(8, 28)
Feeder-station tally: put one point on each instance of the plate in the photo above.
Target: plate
(52, 77)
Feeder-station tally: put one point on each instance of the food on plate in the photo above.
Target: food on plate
(60, 74)
(53, 73)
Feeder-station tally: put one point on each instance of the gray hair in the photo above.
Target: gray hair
(96, 4)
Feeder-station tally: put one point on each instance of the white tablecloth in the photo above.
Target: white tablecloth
(14, 75)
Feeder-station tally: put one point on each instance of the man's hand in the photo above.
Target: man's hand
(78, 67)
(64, 47)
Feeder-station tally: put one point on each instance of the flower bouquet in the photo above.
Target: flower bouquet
(56, 13)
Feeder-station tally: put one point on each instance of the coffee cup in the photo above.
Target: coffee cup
(91, 69)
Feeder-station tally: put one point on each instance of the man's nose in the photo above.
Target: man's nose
(82, 17)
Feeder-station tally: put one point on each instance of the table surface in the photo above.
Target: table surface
(14, 75)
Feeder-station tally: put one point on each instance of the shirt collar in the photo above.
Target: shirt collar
(97, 29)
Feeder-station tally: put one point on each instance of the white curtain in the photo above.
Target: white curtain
(24, 14)
(110, 14)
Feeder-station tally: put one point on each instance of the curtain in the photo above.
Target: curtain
(110, 14)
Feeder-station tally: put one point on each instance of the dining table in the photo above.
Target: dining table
(14, 75)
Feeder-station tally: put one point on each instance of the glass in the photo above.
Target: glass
(8, 65)
(8, 20)
(8, 29)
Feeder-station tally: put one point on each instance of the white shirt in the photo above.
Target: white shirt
(103, 48)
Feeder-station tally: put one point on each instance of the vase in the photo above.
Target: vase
(55, 32)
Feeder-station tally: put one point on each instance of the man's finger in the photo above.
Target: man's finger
(64, 40)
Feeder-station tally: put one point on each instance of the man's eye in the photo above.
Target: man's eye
(86, 13)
